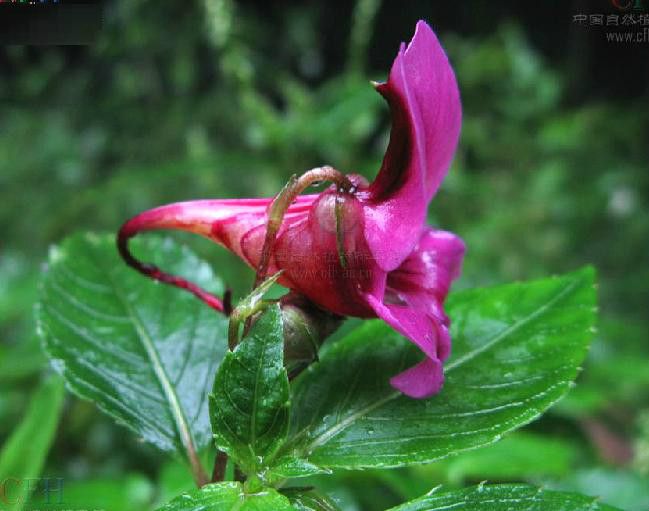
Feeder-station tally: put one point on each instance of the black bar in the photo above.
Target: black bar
(50, 23)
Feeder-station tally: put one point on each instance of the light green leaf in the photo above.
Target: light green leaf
(619, 487)
(145, 352)
(504, 497)
(510, 459)
(288, 466)
(516, 350)
(229, 496)
(304, 499)
(250, 403)
(23, 455)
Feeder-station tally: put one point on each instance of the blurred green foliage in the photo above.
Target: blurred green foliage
(192, 100)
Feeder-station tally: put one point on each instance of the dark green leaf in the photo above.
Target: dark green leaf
(145, 352)
(250, 402)
(517, 349)
(228, 496)
(504, 497)
(23, 454)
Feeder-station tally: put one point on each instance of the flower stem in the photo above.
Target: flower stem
(240, 315)
(247, 308)
(282, 202)
(340, 238)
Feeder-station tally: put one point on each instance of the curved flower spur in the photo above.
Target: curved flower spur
(356, 249)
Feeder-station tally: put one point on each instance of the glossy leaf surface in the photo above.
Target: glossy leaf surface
(250, 402)
(146, 353)
(504, 497)
(229, 496)
(517, 348)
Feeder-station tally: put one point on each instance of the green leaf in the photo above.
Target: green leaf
(145, 352)
(229, 496)
(306, 499)
(504, 497)
(623, 488)
(288, 466)
(510, 459)
(250, 402)
(516, 348)
(23, 455)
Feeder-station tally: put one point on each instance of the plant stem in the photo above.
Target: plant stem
(200, 476)
(220, 464)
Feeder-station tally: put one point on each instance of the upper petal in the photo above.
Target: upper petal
(426, 116)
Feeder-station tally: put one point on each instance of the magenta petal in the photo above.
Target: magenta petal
(363, 252)
(228, 222)
(422, 282)
(412, 323)
(421, 381)
(433, 264)
(425, 378)
(412, 305)
(426, 116)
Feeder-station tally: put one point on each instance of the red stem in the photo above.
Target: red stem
(157, 219)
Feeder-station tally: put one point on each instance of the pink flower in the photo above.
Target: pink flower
(364, 252)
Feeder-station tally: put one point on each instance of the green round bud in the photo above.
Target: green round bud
(305, 329)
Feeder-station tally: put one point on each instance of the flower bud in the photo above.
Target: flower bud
(305, 329)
